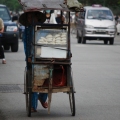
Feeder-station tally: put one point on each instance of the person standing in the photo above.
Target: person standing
(60, 19)
(116, 19)
(42, 97)
(76, 21)
(50, 17)
(2, 56)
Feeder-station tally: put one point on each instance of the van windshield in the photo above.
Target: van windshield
(4, 14)
(99, 14)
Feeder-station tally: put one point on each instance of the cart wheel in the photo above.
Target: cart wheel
(29, 103)
(72, 99)
(26, 88)
(28, 95)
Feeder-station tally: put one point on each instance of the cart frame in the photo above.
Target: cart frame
(52, 63)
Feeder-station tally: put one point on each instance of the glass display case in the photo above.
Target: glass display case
(51, 43)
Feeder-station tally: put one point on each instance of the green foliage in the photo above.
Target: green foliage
(113, 4)
(11, 4)
(102, 2)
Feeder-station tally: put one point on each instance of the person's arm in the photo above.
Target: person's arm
(2, 26)
(2, 30)
(24, 40)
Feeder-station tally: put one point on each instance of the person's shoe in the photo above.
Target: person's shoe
(3, 61)
(33, 110)
(44, 104)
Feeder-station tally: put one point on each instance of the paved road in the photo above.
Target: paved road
(96, 73)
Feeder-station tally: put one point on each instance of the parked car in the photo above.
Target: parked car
(96, 23)
(11, 32)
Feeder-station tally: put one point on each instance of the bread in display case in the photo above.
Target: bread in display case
(51, 36)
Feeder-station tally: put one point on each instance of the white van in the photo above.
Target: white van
(96, 23)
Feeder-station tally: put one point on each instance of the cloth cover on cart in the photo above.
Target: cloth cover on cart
(74, 5)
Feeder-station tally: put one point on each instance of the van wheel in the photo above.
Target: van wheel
(111, 41)
(84, 40)
(14, 47)
(105, 42)
(79, 39)
(6, 47)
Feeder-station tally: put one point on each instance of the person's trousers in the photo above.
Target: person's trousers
(34, 100)
(36, 96)
(1, 50)
(43, 97)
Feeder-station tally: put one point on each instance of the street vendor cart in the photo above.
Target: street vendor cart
(50, 58)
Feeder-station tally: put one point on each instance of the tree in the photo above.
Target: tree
(113, 4)
(11, 4)
(102, 2)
